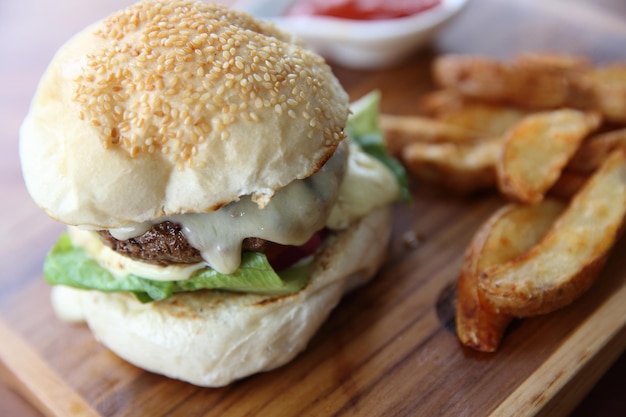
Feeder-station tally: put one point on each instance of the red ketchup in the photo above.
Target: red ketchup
(361, 9)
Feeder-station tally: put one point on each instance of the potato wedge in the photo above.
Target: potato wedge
(567, 261)
(532, 83)
(474, 76)
(610, 90)
(508, 233)
(603, 88)
(594, 150)
(401, 131)
(488, 119)
(442, 101)
(553, 61)
(537, 81)
(461, 168)
(537, 149)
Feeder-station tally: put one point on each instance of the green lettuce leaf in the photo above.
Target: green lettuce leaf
(72, 266)
(362, 128)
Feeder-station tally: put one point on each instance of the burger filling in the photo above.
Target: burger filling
(293, 215)
(156, 259)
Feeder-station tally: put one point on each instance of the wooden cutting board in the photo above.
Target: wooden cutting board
(388, 348)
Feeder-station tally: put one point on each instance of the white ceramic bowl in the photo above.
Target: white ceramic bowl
(360, 43)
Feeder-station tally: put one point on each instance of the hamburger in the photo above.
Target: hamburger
(216, 211)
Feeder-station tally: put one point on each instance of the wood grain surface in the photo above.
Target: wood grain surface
(386, 349)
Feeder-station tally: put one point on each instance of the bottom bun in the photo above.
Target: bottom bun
(212, 338)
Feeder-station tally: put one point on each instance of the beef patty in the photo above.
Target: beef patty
(165, 244)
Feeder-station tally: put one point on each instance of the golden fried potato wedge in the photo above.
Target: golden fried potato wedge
(527, 83)
(566, 262)
(610, 90)
(488, 119)
(607, 86)
(474, 76)
(594, 150)
(463, 168)
(401, 131)
(537, 149)
(538, 81)
(553, 61)
(508, 233)
(441, 101)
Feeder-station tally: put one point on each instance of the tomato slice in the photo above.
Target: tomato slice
(283, 256)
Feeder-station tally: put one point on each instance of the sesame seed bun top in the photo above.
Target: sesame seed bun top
(172, 107)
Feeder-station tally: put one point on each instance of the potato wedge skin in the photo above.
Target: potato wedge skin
(566, 262)
(537, 81)
(463, 168)
(489, 120)
(477, 327)
(510, 231)
(603, 88)
(473, 76)
(538, 148)
(402, 131)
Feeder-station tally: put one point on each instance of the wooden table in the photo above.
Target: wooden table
(384, 349)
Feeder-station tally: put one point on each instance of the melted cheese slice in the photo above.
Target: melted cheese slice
(367, 185)
(334, 197)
